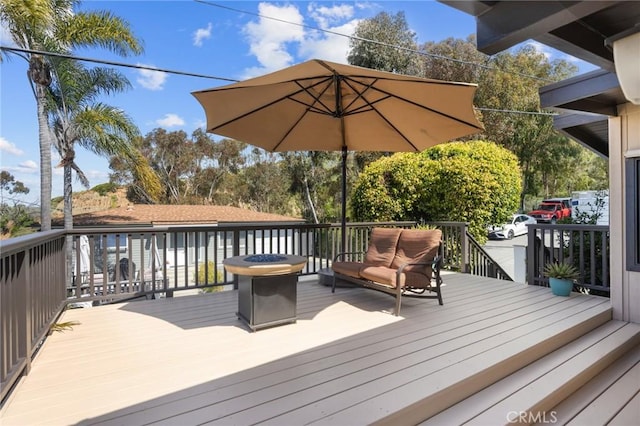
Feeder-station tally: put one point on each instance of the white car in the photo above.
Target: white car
(517, 226)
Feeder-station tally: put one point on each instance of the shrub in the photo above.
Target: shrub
(213, 276)
(476, 182)
(105, 188)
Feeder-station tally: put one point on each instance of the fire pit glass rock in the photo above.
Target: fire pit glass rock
(262, 258)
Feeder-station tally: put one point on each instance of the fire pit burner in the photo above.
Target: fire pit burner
(261, 258)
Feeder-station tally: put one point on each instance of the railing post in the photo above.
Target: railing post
(464, 246)
(236, 252)
(28, 313)
(531, 253)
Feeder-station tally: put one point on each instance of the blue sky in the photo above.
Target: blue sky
(204, 39)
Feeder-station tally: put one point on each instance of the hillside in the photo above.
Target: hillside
(91, 201)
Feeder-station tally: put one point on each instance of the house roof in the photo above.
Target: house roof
(578, 28)
(162, 214)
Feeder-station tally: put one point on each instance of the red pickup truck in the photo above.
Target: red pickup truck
(551, 210)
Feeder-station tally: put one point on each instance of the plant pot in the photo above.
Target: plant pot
(560, 287)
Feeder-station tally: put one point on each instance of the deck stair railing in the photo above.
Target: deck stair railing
(482, 264)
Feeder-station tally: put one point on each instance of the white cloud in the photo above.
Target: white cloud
(152, 80)
(170, 120)
(5, 37)
(541, 48)
(201, 34)
(28, 167)
(325, 17)
(268, 38)
(200, 124)
(328, 46)
(275, 43)
(97, 175)
(9, 148)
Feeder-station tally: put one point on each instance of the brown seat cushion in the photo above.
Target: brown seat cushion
(379, 274)
(417, 245)
(351, 269)
(387, 276)
(382, 246)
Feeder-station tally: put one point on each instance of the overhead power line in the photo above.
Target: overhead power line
(379, 43)
(190, 74)
(114, 63)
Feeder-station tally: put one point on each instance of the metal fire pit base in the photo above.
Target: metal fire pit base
(267, 301)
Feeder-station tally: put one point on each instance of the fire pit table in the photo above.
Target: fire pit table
(267, 288)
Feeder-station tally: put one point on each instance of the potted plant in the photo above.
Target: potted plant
(561, 277)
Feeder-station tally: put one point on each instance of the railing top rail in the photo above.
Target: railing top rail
(569, 227)
(225, 226)
(447, 223)
(25, 242)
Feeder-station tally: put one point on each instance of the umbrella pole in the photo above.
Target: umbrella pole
(344, 199)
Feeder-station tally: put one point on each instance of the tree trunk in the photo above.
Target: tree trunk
(310, 201)
(40, 74)
(68, 219)
(45, 160)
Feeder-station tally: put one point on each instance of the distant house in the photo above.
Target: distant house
(190, 243)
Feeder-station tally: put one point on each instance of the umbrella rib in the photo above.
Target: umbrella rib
(423, 106)
(286, 134)
(316, 98)
(275, 101)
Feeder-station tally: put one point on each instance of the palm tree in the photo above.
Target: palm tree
(54, 26)
(78, 118)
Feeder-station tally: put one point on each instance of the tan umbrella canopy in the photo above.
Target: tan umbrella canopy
(324, 106)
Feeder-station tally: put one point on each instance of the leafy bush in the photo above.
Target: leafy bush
(15, 220)
(476, 182)
(213, 275)
(105, 188)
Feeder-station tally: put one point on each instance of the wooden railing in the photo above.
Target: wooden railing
(32, 296)
(584, 246)
(481, 264)
(114, 264)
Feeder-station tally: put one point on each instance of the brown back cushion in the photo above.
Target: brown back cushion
(417, 245)
(382, 246)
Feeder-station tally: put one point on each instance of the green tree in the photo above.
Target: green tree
(15, 220)
(55, 26)
(266, 185)
(476, 182)
(454, 59)
(193, 169)
(395, 45)
(78, 118)
(9, 184)
(315, 179)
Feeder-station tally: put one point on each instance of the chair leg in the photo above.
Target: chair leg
(333, 283)
(396, 312)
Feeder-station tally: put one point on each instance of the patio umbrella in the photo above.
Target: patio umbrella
(323, 106)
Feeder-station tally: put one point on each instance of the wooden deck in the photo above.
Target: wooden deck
(188, 360)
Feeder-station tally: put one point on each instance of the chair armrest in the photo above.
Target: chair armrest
(343, 254)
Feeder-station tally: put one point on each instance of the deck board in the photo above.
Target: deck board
(187, 360)
(495, 394)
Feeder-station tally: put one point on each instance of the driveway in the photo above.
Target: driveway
(502, 252)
